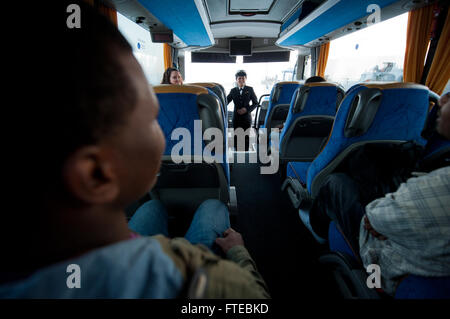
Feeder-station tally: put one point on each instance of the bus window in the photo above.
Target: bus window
(149, 54)
(261, 76)
(307, 69)
(372, 54)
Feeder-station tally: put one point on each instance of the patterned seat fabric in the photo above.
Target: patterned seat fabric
(387, 113)
(308, 125)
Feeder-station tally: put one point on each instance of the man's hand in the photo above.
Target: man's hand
(370, 229)
(230, 239)
(242, 111)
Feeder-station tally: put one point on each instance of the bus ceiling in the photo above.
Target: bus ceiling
(273, 25)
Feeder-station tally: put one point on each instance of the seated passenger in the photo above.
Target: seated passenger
(89, 153)
(405, 232)
(172, 76)
(315, 79)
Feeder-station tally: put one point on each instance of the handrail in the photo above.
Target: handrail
(256, 123)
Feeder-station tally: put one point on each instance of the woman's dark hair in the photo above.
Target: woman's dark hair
(166, 76)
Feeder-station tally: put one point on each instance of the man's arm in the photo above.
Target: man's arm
(229, 97)
(189, 259)
(254, 100)
(233, 246)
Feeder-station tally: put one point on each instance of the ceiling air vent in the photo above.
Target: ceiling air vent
(249, 7)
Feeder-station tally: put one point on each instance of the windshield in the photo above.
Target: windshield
(261, 76)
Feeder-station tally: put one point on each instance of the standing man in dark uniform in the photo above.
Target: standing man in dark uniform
(241, 96)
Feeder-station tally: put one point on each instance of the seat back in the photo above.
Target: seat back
(411, 287)
(187, 177)
(385, 113)
(219, 91)
(309, 122)
(437, 149)
(262, 111)
(279, 103)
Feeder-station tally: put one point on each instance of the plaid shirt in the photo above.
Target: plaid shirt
(416, 221)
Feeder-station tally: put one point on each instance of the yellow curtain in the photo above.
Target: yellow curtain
(323, 58)
(167, 56)
(440, 68)
(417, 40)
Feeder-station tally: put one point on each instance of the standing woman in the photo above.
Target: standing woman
(241, 96)
(172, 76)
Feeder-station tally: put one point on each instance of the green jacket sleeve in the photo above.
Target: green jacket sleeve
(219, 278)
(241, 256)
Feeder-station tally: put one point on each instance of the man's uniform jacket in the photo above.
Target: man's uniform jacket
(240, 101)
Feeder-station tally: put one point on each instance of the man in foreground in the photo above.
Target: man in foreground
(91, 146)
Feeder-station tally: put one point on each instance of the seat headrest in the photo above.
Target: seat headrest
(301, 98)
(276, 93)
(393, 85)
(287, 82)
(303, 94)
(204, 84)
(277, 89)
(169, 88)
(315, 84)
(364, 107)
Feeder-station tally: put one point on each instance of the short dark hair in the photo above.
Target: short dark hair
(71, 90)
(240, 73)
(166, 76)
(314, 79)
(88, 94)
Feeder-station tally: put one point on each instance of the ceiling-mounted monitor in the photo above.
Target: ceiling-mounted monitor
(162, 37)
(240, 47)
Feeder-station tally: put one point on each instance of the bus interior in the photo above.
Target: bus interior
(209, 40)
(358, 47)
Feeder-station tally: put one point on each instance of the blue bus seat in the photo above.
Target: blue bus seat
(280, 99)
(411, 287)
(437, 149)
(381, 113)
(308, 125)
(219, 90)
(196, 178)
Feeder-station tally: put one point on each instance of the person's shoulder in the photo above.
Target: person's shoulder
(105, 272)
(438, 176)
(443, 172)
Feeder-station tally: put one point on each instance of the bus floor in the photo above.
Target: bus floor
(285, 252)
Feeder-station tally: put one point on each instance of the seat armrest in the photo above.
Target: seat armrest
(232, 204)
(298, 194)
(350, 277)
